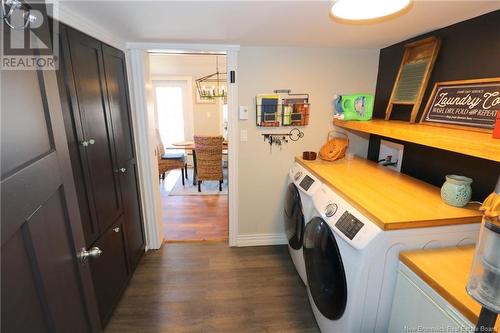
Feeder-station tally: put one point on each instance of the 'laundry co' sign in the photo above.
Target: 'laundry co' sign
(472, 103)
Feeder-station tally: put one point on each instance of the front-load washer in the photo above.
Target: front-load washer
(297, 211)
(351, 264)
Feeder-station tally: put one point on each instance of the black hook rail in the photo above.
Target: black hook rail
(294, 135)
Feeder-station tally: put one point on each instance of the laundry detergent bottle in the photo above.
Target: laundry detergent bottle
(355, 106)
(337, 107)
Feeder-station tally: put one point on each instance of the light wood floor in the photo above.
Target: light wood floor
(193, 218)
(209, 287)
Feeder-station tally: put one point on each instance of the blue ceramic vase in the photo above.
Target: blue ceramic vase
(456, 190)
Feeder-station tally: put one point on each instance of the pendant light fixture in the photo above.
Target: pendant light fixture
(213, 85)
(367, 10)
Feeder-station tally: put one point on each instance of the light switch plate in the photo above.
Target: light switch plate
(243, 112)
(243, 135)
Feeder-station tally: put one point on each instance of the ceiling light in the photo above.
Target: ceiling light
(367, 10)
(213, 85)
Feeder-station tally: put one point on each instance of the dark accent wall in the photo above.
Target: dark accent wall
(469, 50)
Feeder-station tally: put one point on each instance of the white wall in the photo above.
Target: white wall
(321, 72)
(74, 19)
(206, 117)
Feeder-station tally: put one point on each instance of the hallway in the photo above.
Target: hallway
(192, 218)
(213, 288)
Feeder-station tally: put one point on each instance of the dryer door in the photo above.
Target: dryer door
(325, 271)
(294, 217)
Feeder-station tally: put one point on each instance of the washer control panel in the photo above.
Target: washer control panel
(304, 180)
(349, 225)
(345, 220)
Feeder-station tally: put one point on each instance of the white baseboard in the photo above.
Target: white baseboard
(261, 239)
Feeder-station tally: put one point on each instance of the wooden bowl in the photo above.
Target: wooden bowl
(309, 155)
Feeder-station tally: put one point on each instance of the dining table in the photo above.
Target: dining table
(188, 146)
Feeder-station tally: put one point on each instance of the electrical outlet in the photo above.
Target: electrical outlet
(391, 154)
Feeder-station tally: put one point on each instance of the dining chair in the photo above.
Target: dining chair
(208, 152)
(170, 161)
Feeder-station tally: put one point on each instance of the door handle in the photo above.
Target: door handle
(86, 143)
(121, 170)
(93, 252)
(116, 229)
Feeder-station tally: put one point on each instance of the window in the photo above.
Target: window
(170, 114)
(172, 108)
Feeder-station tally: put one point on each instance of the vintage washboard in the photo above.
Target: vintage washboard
(413, 75)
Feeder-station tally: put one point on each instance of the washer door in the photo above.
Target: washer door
(324, 268)
(294, 217)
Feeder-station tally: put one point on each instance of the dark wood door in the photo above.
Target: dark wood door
(74, 134)
(84, 72)
(110, 272)
(44, 287)
(117, 88)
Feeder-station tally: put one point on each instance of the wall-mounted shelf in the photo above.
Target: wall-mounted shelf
(471, 143)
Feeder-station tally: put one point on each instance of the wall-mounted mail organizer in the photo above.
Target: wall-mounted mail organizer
(282, 109)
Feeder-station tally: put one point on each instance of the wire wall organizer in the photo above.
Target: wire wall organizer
(282, 109)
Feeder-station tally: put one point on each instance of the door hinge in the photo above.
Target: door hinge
(232, 76)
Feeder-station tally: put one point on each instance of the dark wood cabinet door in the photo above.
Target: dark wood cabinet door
(74, 131)
(117, 89)
(110, 272)
(86, 83)
(44, 287)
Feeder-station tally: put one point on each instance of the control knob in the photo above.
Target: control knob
(330, 210)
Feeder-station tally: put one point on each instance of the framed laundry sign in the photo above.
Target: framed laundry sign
(468, 104)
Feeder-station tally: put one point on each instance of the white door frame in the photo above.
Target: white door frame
(136, 53)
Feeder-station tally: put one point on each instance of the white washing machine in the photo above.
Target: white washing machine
(297, 211)
(351, 264)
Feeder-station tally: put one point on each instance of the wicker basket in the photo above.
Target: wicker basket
(335, 146)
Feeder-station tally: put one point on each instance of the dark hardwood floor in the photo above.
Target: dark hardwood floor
(193, 218)
(209, 287)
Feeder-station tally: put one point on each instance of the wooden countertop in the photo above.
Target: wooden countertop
(447, 272)
(390, 199)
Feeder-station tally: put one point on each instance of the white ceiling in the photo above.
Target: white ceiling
(266, 23)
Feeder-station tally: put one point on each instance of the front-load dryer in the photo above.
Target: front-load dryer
(297, 211)
(351, 263)
(336, 280)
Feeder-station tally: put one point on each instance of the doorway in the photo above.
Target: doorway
(194, 198)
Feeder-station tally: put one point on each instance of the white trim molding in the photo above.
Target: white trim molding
(233, 138)
(261, 239)
(140, 120)
(183, 48)
(151, 206)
